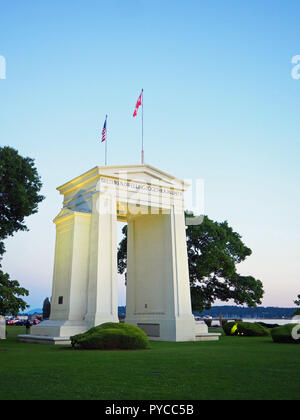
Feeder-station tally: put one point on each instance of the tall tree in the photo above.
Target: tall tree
(122, 254)
(214, 249)
(20, 185)
(10, 292)
(46, 308)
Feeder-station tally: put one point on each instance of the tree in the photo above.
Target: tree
(122, 254)
(46, 308)
(20, 185)
(297, 302)
(213, 249)
(10, 290)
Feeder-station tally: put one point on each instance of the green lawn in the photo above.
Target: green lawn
(234, 368)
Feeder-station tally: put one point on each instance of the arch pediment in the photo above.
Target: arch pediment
(139, 173)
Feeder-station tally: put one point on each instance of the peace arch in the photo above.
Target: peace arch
(84, 292)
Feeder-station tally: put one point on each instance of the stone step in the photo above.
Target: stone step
(208, 337)
(43, 339)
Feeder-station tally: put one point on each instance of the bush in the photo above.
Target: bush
(269, 326)
(297, 312)
(283, 334)
(225, 321)
(247, 329)
(111, 336)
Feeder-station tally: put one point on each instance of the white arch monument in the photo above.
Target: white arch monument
(85, 269)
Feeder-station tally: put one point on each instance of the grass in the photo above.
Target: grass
(234, 368)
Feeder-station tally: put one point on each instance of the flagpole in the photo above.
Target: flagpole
(142, 126)
(106, 143)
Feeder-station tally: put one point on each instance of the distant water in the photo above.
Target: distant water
(272, 321)
(266, 321)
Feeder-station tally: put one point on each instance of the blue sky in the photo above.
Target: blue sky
(219, 104)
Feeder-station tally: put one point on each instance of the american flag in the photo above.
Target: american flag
(104, 131)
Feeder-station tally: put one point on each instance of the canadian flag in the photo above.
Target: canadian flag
(138, 104)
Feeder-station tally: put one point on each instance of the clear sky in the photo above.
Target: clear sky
(219, 104)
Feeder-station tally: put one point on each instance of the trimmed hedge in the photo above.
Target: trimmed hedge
(246, 329)
(225, 321)
(283, 334)
(110, 336)
(269, 326)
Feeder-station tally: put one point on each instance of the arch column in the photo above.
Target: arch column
(70, 276)
(102, 292)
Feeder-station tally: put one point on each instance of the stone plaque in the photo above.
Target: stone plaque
(152, 330)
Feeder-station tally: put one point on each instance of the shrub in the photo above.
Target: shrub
(283, 334)
(111, 336)
(225, 321)
(269, 326)
(297, 312)
(247, 329)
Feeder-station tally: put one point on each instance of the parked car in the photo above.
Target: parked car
(11, 321)
(16, 321)
(20, 323)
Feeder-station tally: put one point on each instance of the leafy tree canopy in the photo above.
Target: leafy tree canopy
(20, 185)
(10, 292)
(122, 253)
(213, 249)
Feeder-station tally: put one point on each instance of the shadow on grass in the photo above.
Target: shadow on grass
(83, 350)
